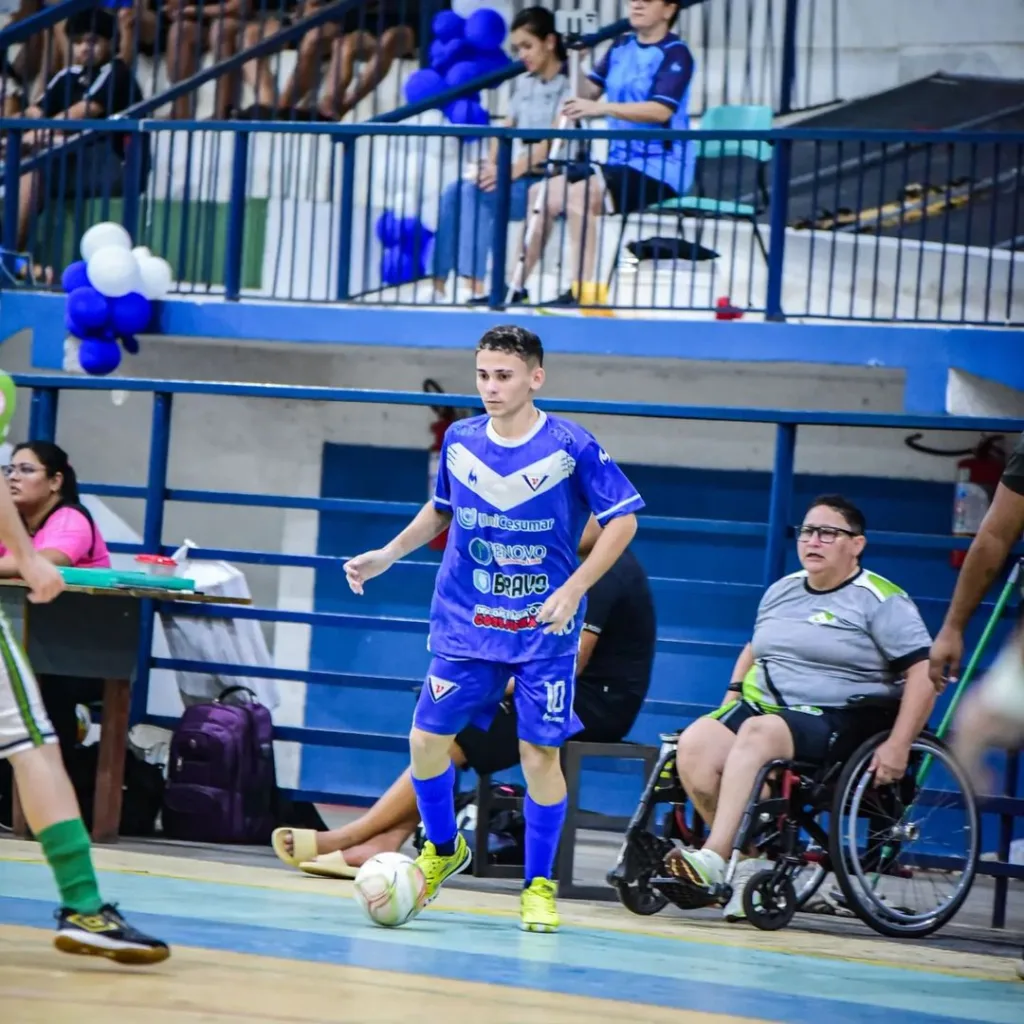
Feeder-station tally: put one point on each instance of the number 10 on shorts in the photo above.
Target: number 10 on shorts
(556, 697)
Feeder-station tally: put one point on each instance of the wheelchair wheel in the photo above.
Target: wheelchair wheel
(769, 900)
(905, 855)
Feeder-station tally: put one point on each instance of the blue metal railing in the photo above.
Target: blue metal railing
(157, 492)
(882, 225)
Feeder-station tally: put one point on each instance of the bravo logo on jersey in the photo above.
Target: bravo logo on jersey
(501, 585)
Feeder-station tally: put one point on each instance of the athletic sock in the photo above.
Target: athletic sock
(67, 850)
(543, 830)
(436, 801)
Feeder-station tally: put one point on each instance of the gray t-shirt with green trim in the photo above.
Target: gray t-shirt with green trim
(821, 648)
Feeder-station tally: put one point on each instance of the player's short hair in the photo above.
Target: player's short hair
(855, 519)
(517, 340)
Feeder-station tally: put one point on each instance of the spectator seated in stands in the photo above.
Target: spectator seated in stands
(377, 33)
(142, 27)
(214, 27)
(95, 85)
(40, 56)
(44, 488)
(537, 98)
(645, 77)
(613, 674)
(825, 639)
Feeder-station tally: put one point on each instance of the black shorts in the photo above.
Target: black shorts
(819, 736)
(91, 171)
(605, 720)
(632, 190)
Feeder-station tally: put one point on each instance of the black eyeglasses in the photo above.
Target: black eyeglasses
(826, 534)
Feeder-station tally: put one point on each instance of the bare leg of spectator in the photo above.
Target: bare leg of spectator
(541, 230)
(583, 211)
(30, 190)
(393, 815)
(182, 61)
(394, 43)
(224, 35)
(312, 50)
(257, 72)
(140, 19)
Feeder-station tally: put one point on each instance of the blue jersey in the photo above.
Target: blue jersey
(635, 72)
(518, 509)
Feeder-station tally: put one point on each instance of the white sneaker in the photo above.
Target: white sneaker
(745, 870)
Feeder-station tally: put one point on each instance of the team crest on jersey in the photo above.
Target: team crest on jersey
(534, 482)
(440, 688)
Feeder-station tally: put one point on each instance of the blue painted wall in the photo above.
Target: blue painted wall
(706, 587)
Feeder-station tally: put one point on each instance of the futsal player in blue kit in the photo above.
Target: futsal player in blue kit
(515, 487)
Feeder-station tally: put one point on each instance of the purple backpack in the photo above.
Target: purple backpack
(221, 777)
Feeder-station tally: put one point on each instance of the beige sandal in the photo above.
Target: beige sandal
(303, 845)
(329, 865)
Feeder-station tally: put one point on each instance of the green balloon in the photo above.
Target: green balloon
(8, 403)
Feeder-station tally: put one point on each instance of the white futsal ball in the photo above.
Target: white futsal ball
(391, 889)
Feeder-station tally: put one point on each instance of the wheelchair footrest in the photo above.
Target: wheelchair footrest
(683, 895)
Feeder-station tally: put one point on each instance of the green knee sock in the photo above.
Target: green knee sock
(68, 852)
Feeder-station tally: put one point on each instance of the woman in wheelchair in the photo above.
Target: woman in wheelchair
(838, 656)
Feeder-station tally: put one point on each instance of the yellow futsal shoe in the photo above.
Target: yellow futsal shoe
(437, 869)
(538, 912)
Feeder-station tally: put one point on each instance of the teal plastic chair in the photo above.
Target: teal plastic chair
(703, 206)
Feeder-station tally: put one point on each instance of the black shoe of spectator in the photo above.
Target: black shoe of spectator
(518, 298)
(565, 299)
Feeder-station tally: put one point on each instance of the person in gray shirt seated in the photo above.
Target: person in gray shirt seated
(465, 223)
(825, 638)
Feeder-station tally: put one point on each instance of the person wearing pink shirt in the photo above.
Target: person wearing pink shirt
(44, 488)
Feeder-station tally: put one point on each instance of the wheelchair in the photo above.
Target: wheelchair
(813, 820)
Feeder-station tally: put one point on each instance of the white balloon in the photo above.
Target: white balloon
(113, 272)
(71, 347)
(141, 252)
(464, 8)
(107, 235)
(156, 277)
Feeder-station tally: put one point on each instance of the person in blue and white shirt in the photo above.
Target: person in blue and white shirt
(516, 487)
(645, 79)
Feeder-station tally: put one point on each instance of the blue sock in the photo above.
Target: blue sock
(543, 830)
(436, 801)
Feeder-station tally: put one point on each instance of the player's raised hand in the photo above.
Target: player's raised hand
(559, 608)
(365, 566)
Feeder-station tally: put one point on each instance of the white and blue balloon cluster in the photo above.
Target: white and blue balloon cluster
(467, 43)
(109, 300)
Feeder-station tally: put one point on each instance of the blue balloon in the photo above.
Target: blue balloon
(423, 84)
(393, 230)
(461, 73)
(99, 358)
(131, 313)
(485, 29)
(87, 310)
(444, 55)
(466, 111)
(397, 266)
(490, 60)
(448, 25)
(74, 276)
(131, 344)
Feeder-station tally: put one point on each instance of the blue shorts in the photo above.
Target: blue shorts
(461, 693)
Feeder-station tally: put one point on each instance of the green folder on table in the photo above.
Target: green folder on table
(117, 579)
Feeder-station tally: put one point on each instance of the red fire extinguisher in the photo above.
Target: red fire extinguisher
(977, 476)
(444, 417)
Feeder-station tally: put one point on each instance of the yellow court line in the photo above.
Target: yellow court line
(849, 949)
